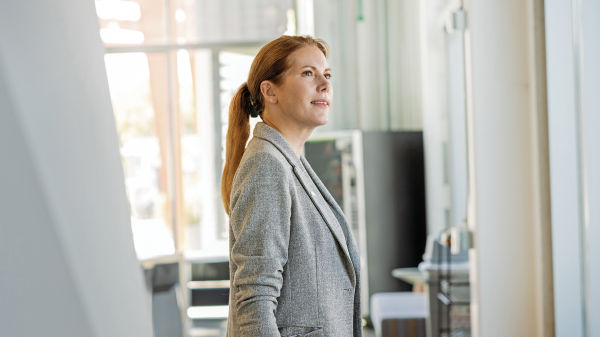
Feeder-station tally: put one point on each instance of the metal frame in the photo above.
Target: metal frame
(168, 47)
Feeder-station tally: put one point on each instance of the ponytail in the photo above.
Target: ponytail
(269, 65)
(238, 133)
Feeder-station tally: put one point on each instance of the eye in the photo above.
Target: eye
(307, 73)
(327, 76)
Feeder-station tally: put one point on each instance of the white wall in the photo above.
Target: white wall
(67, 261)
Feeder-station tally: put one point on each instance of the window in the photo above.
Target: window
(173, 66)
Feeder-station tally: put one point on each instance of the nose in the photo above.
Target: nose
(324, 85)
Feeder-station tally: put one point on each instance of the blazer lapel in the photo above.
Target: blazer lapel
(324, 191)
(329, 218)
(350, 243)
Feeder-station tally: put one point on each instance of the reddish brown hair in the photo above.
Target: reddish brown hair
(269, 65)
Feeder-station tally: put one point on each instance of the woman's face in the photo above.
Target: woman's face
(305, 94)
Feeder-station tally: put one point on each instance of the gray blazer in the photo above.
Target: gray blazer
(295, 267)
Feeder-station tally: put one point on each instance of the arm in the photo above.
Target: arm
(260, 222)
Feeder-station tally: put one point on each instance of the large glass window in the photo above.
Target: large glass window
(232, 20)
(132, 22)
(173, 67)
(143, 140)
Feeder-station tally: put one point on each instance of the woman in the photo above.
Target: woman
(295, 267)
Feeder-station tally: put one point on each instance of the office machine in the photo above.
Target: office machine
(377, 178)
(208, 293)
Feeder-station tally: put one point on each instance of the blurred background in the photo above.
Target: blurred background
(461, 145)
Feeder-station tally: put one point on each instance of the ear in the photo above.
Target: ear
(268, 91)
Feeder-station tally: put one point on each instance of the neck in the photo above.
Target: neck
(294, 134)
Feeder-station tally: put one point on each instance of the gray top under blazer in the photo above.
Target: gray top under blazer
(294, 264)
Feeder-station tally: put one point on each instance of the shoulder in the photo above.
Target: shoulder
(261, 160)
(263, 176)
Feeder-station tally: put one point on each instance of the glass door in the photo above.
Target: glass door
(445, 133)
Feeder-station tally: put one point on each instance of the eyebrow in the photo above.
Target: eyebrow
(315, 68)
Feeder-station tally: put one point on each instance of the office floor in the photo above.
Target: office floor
(216, 328)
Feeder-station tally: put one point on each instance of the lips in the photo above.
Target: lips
(322, 103)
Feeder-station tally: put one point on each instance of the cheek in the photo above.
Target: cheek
(304, 90)
(296, 94)
(304, 94)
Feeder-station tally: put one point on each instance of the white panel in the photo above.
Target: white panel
(435, 120)
(52, 61)
(457, 123)
(36, 287)
(562, 128)
(591, 106)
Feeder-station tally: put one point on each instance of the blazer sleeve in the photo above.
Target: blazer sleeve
(260, 222)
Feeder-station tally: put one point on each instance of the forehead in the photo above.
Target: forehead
(308, 56)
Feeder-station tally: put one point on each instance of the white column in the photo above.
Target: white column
(502, 155)
(67, 262)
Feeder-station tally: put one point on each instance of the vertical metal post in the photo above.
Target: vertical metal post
(218, 134)
(181, 291)
(171, 158)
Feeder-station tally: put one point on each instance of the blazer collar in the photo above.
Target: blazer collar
(265, 132)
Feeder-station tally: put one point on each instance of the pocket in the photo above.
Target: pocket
(298, 331)
(316, 333)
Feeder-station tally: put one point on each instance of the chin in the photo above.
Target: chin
(321, 119)
(319, 122)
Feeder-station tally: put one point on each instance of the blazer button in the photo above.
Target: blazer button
(312, 194)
